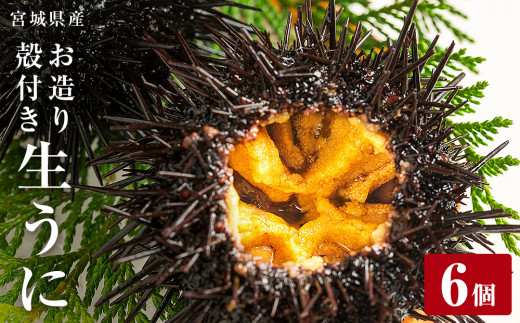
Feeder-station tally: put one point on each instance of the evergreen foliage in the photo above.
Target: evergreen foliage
(15, 209)
(472, 94)
(480, 133)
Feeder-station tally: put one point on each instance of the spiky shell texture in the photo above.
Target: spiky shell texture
(180, 218)
(112, 58)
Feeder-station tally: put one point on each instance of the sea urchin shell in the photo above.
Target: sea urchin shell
(184, 215)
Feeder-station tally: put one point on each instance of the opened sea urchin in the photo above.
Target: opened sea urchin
(302, 183)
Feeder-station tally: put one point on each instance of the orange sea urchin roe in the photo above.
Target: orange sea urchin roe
(310, 189)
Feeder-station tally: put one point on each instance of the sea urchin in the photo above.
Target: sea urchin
(302, 183)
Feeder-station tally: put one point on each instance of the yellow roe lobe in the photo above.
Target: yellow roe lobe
(310, 189)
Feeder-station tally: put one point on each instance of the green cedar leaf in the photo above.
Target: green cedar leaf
(12, 314)
(480, 133)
